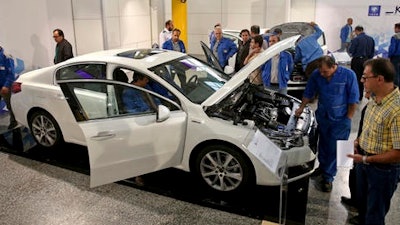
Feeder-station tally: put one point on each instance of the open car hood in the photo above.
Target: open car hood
(239, 78)
(295, 28)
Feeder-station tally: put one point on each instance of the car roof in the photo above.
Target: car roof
(145, 58)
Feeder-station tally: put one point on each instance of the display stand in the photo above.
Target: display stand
(284, 175)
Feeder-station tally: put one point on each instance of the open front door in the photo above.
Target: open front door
(124, 144)
(211, 59)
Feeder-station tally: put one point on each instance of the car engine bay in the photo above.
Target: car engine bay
(272, 113)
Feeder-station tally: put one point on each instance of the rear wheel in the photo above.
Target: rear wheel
(224, 169)
(45, 129)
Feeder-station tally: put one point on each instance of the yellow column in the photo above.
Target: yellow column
(179, 18)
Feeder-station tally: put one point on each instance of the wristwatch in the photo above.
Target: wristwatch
(364, 160)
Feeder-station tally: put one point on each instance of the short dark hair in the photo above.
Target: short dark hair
(359, 28)
(382, 66)
(397, 25)
(137, 76)
(326, 60)
(278, 31)
(168, 22)
(255, 29)
(244, 31)
(176, 29)
(59, 31)
(259, 39)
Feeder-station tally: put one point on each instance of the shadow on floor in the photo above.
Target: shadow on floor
(261, 203)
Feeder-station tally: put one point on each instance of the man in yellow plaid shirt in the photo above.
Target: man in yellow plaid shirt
(377, 150)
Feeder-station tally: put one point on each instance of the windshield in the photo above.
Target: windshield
(192, 77)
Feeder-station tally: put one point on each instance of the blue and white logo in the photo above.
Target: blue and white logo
(374, 10)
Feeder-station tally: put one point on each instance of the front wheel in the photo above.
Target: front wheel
(45, 129)
(224, 169)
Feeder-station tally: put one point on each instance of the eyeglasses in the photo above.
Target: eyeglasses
(56, 36)
(366, 78)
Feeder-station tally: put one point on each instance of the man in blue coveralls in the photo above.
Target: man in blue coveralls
(222, 48)
(7, 77)
(338, 98)
(308, 51)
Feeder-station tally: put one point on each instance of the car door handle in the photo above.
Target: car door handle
(103, 135)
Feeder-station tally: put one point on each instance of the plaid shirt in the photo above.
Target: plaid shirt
(381, 128)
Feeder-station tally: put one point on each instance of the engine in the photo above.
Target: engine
(272, 113)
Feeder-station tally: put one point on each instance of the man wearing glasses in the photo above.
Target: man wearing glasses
(63, 47)
(377, 150)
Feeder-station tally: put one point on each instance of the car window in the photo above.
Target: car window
(99, 100)
(193, 78)
(126, 75)
(82, 71)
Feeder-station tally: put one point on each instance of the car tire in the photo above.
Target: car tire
(45, 129)
(224, 169)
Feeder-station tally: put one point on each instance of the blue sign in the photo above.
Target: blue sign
(374, 10)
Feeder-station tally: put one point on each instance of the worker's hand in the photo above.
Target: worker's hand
(4, 90)
(357, 158)
(299, 111)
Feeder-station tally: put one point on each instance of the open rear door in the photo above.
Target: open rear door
(123, 145)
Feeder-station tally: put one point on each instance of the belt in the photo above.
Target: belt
(363, 152)
(360, 57)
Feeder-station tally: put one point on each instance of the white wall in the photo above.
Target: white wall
(92, 25)
(232, 14)
(87, 18)
(332, 15)
(27, 26)
(107, 24)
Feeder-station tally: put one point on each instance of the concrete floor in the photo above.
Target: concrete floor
(34, 192)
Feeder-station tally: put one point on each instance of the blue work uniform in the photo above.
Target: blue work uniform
(308, 49)
(345, 37)
(333, 124)
(134, 100)
(225, 49)
(394, 55)
(169, 45)
(7, 74)
(285, 68)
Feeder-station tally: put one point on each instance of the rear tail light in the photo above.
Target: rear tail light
(16, 87)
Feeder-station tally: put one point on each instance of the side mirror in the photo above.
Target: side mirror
(229, 69)
(163, 113)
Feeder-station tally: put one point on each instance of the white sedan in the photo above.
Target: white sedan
(226, 131)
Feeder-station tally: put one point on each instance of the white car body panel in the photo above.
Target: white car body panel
(116, 151)
(117, 154)
(242, 75)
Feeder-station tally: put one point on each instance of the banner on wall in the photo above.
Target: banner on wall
(377, 18)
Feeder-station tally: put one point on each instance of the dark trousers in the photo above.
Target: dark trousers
(7, 98)
(396, 63)
(376, 184)
(357, 65)
(329, 132)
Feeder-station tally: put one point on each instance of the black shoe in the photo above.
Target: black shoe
(323, 186)
(355, 220)
(12, 125)
(347, 201)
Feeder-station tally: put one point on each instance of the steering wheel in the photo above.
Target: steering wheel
(194, 79)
